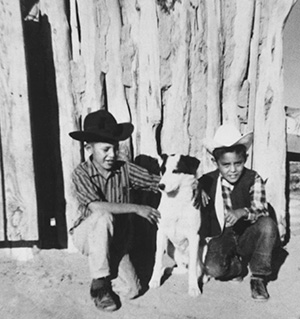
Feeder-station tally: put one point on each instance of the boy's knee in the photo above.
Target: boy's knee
(267, 226)
(104, 220)
(215, 270)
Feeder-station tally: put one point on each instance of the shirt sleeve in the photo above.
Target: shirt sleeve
(84, 189)
(140, 178)
(259, 206)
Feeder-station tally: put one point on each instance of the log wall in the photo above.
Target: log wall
(176, 69)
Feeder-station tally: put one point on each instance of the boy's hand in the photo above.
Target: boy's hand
(234, 215)
(200, 198)
(150, 213)
(205, 198)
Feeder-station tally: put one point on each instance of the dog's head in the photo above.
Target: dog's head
(175, 169)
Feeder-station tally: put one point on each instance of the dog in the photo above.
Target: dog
(180, 220)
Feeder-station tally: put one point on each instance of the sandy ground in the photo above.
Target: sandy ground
(55, 284)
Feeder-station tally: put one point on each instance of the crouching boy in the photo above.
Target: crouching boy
(235, 217)
(102, 230)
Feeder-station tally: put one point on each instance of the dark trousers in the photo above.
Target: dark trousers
(255, 245)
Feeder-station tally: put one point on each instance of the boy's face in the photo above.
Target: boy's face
(231, 166)
(104, 154)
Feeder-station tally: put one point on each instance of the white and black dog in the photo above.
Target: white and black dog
(180, 220)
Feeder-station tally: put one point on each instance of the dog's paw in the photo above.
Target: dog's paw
(180, 270)
(194, 291)
(154, 283)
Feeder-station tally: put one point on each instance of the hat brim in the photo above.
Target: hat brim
(121, 132)
(245, 140)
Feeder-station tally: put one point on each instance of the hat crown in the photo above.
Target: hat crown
(227, 135)
(99, 120)
(101, 126)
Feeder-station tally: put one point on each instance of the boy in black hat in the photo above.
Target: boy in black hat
(102, 185)
(235, 218)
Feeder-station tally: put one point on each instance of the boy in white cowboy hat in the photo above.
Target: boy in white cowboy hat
(102, 185)
(234, 211)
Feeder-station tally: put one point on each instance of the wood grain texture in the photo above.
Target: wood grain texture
(18, 175)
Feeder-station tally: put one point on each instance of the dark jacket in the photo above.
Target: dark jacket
(240, 197)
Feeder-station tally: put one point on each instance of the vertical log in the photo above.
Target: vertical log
(130, 65)
(253, 68)
(214, 74)
(114, 86)
(69, 148)
(237, 25)
(176, 105)
(197, 79)
(149, 81)
(115, 92)
(269, 127)
(17, 175)
(86, 60)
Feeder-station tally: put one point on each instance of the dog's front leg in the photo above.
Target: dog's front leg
(161, 244)
(194, 290)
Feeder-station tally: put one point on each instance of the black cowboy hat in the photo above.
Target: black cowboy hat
(101, 126)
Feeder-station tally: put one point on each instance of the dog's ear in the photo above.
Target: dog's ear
(162, 159)
(191, 164)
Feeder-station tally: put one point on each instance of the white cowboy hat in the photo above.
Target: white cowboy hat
(228, 135)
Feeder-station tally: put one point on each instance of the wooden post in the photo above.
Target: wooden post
(269, 147)
(253, 73)
(18, 186)
(70, 153)
(237, 27)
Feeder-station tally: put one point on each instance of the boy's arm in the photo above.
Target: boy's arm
(201, 198)
(140, 178)
(149, 213)
(84, 190)
(258, 206)
(90, 202)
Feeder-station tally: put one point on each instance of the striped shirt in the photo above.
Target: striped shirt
(90, 185)
(258, 200)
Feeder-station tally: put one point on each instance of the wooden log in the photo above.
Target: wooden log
(87, 63)
(269, 126)
(252, 77)
(197, 80)
(115, 93)
(176, 105)
(17, 161)
(237, 27)
(69, 148)
(149, 101)
(130, 66)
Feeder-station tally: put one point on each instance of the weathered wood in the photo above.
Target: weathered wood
(115, 93)
(176, 69)
(70, 154)
(176, 107)
(149, 111)
(197, 80)
(18, 176)
(130, 66)
(237, 25)
(269, 147)
(214, 76)
(86, 63)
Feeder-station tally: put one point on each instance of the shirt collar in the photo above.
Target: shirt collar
(226, 184)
